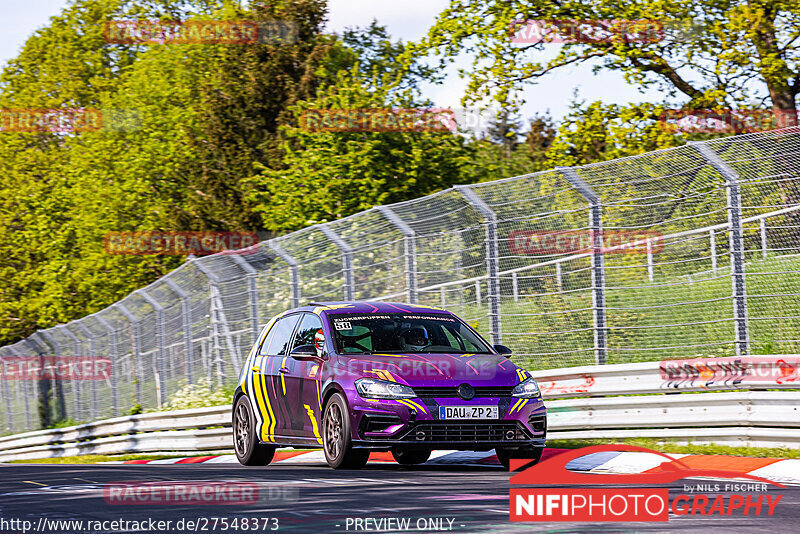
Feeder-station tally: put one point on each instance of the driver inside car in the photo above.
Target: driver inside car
(415, 339)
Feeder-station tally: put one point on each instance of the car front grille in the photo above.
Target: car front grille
(472, 432)
(480, 391)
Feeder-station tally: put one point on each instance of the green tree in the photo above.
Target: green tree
(706, 53)
(328, 175)
(600, 132)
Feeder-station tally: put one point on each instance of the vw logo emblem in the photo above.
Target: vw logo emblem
(466, 392)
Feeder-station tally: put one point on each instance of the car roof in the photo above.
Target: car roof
(369, 307)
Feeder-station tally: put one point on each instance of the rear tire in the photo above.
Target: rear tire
(523, 453)
(336, 441)
(411, 457)
(249, 451)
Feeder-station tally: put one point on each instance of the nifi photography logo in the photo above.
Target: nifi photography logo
(561, 495)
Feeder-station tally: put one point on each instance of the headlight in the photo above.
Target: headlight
(526, 389)
(371, 388)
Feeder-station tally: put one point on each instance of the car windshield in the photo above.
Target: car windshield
(404, 333)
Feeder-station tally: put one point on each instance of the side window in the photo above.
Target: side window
(281, 335)
(309, 325)
(262, 350)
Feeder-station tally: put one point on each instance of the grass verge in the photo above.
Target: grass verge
(96, 458)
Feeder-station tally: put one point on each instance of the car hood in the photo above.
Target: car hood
(435, 369)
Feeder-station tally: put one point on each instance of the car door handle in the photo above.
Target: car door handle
(283, 370)
(256, 369)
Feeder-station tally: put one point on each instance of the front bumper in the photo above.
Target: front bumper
(400, 426)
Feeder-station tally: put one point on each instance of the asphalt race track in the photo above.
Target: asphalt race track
(320, 500)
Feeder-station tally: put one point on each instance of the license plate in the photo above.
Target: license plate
(468, 412)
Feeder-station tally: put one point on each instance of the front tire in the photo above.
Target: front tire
(245, 441)
(411, 457)
(336, 441)
(523, 453)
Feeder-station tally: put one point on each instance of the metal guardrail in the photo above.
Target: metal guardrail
(687, 400)
(190, 430)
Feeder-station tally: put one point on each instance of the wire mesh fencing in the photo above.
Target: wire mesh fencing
(691, 251)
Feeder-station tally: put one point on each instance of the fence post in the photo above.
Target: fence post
(762, 224)
(160, 363)
(712, 242)
(6, 394)
(76, 384)
(28, 425)
(61, 410)
(515, 286)
(492, 260)
(736, 243)
(347, 260)
(598, 266)
(136, 362)
(112, 342)
(559, 277)
(219, 323)
(43, 386)
(294, 267)
(186, 316)
(93, 354)
(410, 250)
(252, 290)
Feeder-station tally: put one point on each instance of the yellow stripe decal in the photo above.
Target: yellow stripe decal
(259, 391)
(319, 395)
(271, 427)
(515, 406)
(314, 426)
(412, 404)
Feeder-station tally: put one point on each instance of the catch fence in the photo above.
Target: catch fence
(685, 252)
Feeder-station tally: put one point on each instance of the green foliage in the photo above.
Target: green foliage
(64, 423)
(201, 394)
(195, 132)
(710, 53)
(98, 458)
(598, 132)
(508, 151)
(329, 175)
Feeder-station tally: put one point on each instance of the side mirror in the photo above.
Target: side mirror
(304, 352)
(501, 349)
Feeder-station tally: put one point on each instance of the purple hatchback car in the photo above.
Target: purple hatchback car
(355, 377)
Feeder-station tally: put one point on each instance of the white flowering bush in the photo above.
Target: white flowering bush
(198, 395)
